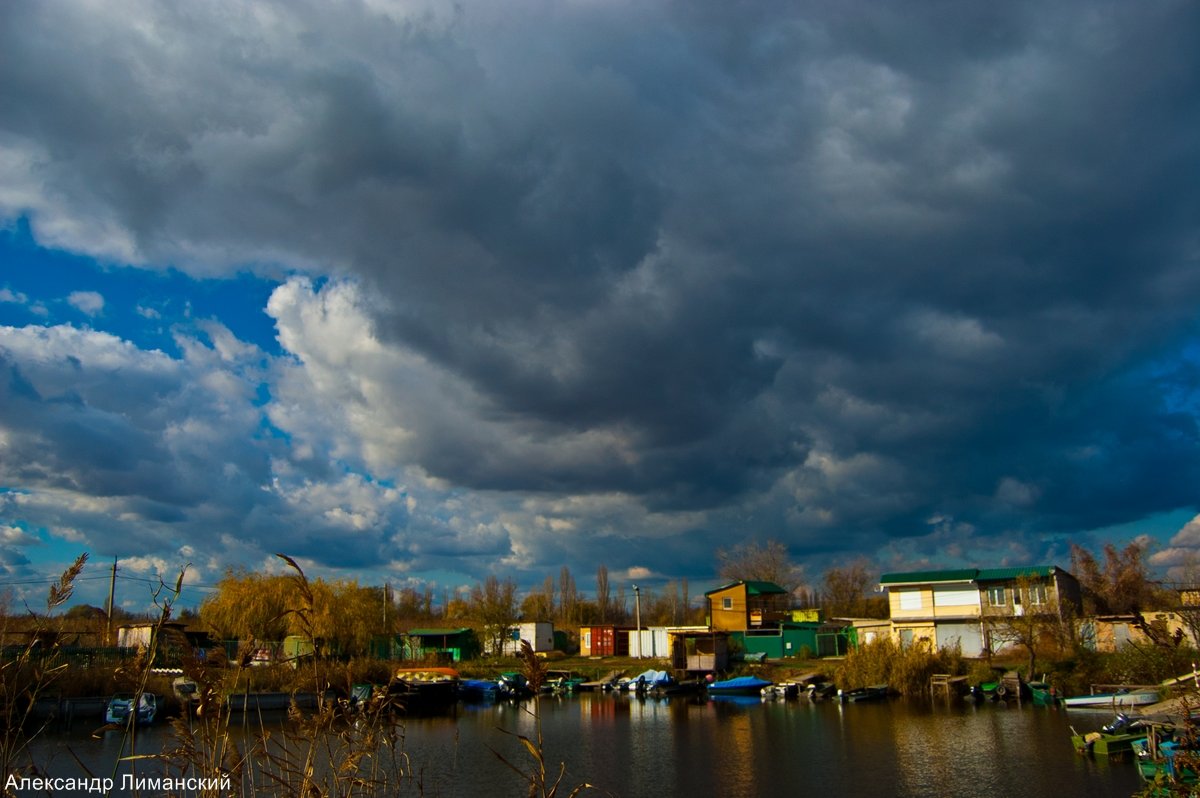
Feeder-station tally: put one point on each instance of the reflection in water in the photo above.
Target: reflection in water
(632, 747)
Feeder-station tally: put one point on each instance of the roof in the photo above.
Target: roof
(967, 575)
(436, 632)
(754, 587)
(925, 577)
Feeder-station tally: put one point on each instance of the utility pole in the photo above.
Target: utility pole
(112, 587)
(637, 614)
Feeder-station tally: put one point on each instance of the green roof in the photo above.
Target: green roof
(997, 574)
(754, 587)
(957, 575)
(435, 632)
(966, 575)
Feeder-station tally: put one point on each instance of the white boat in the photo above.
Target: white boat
(1119, 699)
(119, 707)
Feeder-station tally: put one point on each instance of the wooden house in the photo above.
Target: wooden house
(743, 605)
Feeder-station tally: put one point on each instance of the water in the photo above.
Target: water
(631, 748)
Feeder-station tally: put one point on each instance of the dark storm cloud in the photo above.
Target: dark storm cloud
(816, 266)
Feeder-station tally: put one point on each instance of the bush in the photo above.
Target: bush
(905, 669)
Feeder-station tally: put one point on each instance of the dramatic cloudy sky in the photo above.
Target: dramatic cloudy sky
(420, 292)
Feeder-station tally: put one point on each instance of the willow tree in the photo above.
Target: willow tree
(248, 606)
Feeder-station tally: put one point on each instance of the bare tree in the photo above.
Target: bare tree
(767, 562)
(846, 591)
(602, 592)
(494, 605)
(1040, 624)
(568, 596)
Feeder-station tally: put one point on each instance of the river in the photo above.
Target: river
(732, 748)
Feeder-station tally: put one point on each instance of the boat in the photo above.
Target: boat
(784, 690)
(1116, 700)
(478, 689)
(1116, 739)
(740, 685)
(513, 685)
(1042, 694)
(561, 682)
(420, 689)
(872, 692)
(120, 705)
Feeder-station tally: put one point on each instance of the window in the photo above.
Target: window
(910, 599)
(997, 597)
(1037, 594)
(727, 603)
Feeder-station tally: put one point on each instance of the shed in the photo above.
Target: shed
(539, 635)
(605, 640)
(451, 644)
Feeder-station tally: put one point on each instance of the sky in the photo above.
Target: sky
(419, 292)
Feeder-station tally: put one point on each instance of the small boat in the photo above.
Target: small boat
(784, 690)
(513, 685)
(418, 689)
(1042, 694)
(1113, 740)
(479, 689)
(121, 705)
(561, 682)
(1119, 699)
(740, 685)
(872, 692)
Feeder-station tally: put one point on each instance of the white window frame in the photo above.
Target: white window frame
(1038, 595)
(727, 603)
(994, 592)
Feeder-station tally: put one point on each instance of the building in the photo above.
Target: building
(744, 605)
(453, 645)
(604, 640)
(539, 635)
(943, 608)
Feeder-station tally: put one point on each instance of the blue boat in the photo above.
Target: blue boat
(741, 685)
(478, 690)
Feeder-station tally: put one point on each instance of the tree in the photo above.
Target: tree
(846, 592)
(494, 605)
(602, 593)
(1044, 623)
(767, 562)
(1121, 586)
(248, 606)
(567, 596)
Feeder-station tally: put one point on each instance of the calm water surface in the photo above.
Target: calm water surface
(632, 748)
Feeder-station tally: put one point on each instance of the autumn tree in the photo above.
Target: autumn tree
(248, 606)
(1121, 585)
(767, 562)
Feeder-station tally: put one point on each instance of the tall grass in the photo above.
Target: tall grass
(31, 676)
(905, 669)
